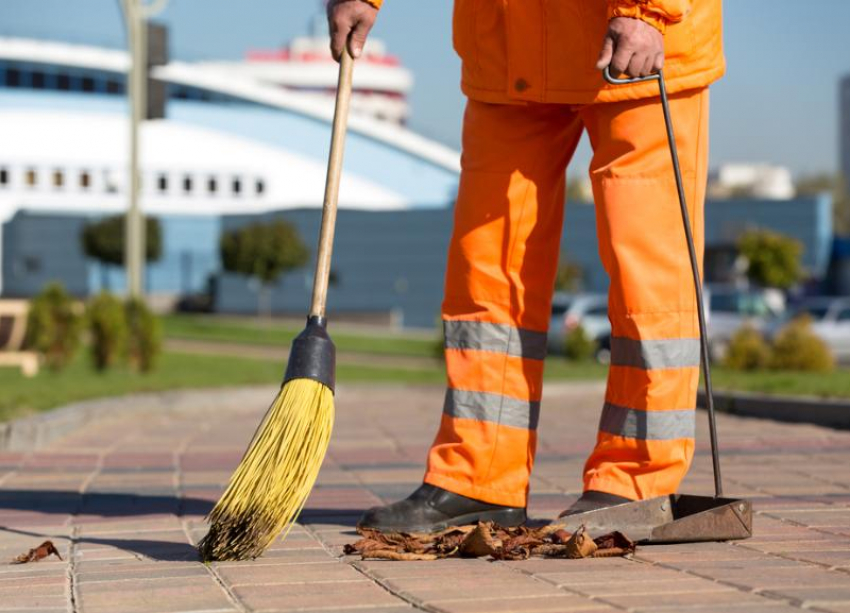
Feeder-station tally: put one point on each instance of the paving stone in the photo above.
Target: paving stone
(445, 569)
(31, 599)
(813, 595)
(162, 570)
(679, 600)
(677, 585)
(781, 577)
(834, 607)
(150, 595)
(269, 574)
(536, 604)
(36, 610)
(749, 607)
(308, 596)
(145, 500)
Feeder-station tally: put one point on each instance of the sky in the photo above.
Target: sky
(778, 102)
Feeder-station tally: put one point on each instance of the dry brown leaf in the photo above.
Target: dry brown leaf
(389, 554)
(614, 552)
(480, 542)
(580, 545)
(39, 553)
(561, 537)
(616, 540)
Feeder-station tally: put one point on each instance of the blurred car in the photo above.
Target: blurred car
(830, 321)
(569, 311)
(730, 309)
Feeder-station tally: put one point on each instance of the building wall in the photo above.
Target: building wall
(396, 261)
(39, 248)
(383, 261)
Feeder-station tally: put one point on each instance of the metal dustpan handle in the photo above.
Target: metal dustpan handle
(703, 331)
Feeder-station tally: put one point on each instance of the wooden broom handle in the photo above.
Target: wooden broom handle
(326, 235)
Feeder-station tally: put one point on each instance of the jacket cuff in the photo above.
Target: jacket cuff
(644, 12)
(376, 3)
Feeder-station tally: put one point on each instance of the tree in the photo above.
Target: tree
(263, 251)
(774, 259)
(103, 241)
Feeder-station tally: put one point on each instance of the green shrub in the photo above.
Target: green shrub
(747, 351)
(145, 335)
(578, 346)
(108, 330)
(53, 326)
(798, 348)
(774, 259)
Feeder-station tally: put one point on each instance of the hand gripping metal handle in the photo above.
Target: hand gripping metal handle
(703, 331)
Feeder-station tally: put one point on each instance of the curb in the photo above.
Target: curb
(31, 433)
(791, 409)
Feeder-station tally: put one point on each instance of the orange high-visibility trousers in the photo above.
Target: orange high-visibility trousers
(502, 263)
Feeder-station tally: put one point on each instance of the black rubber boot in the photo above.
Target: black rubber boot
(592, 500)
(431, 509)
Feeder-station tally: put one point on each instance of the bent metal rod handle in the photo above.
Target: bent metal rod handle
(703, 332)
(326, 235)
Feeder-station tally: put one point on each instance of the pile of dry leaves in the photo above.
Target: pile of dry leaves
(489, 539)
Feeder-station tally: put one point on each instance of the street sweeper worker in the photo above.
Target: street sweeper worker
(531, 72)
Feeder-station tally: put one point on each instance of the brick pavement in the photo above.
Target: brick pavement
(124, 500)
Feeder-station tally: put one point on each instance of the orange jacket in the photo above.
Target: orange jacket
(546, 50)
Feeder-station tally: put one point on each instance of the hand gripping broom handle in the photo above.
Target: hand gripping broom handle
(703, 333)
(329, 208)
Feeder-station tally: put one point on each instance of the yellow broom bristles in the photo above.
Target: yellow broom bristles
(274, 478)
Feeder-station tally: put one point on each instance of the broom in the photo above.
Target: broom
(274, 478)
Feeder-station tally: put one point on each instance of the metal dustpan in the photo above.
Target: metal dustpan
(678, 518)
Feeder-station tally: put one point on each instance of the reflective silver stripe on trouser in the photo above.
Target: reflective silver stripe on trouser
(647, 425)
(495, 408)
(655, 354)
(497, 338)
